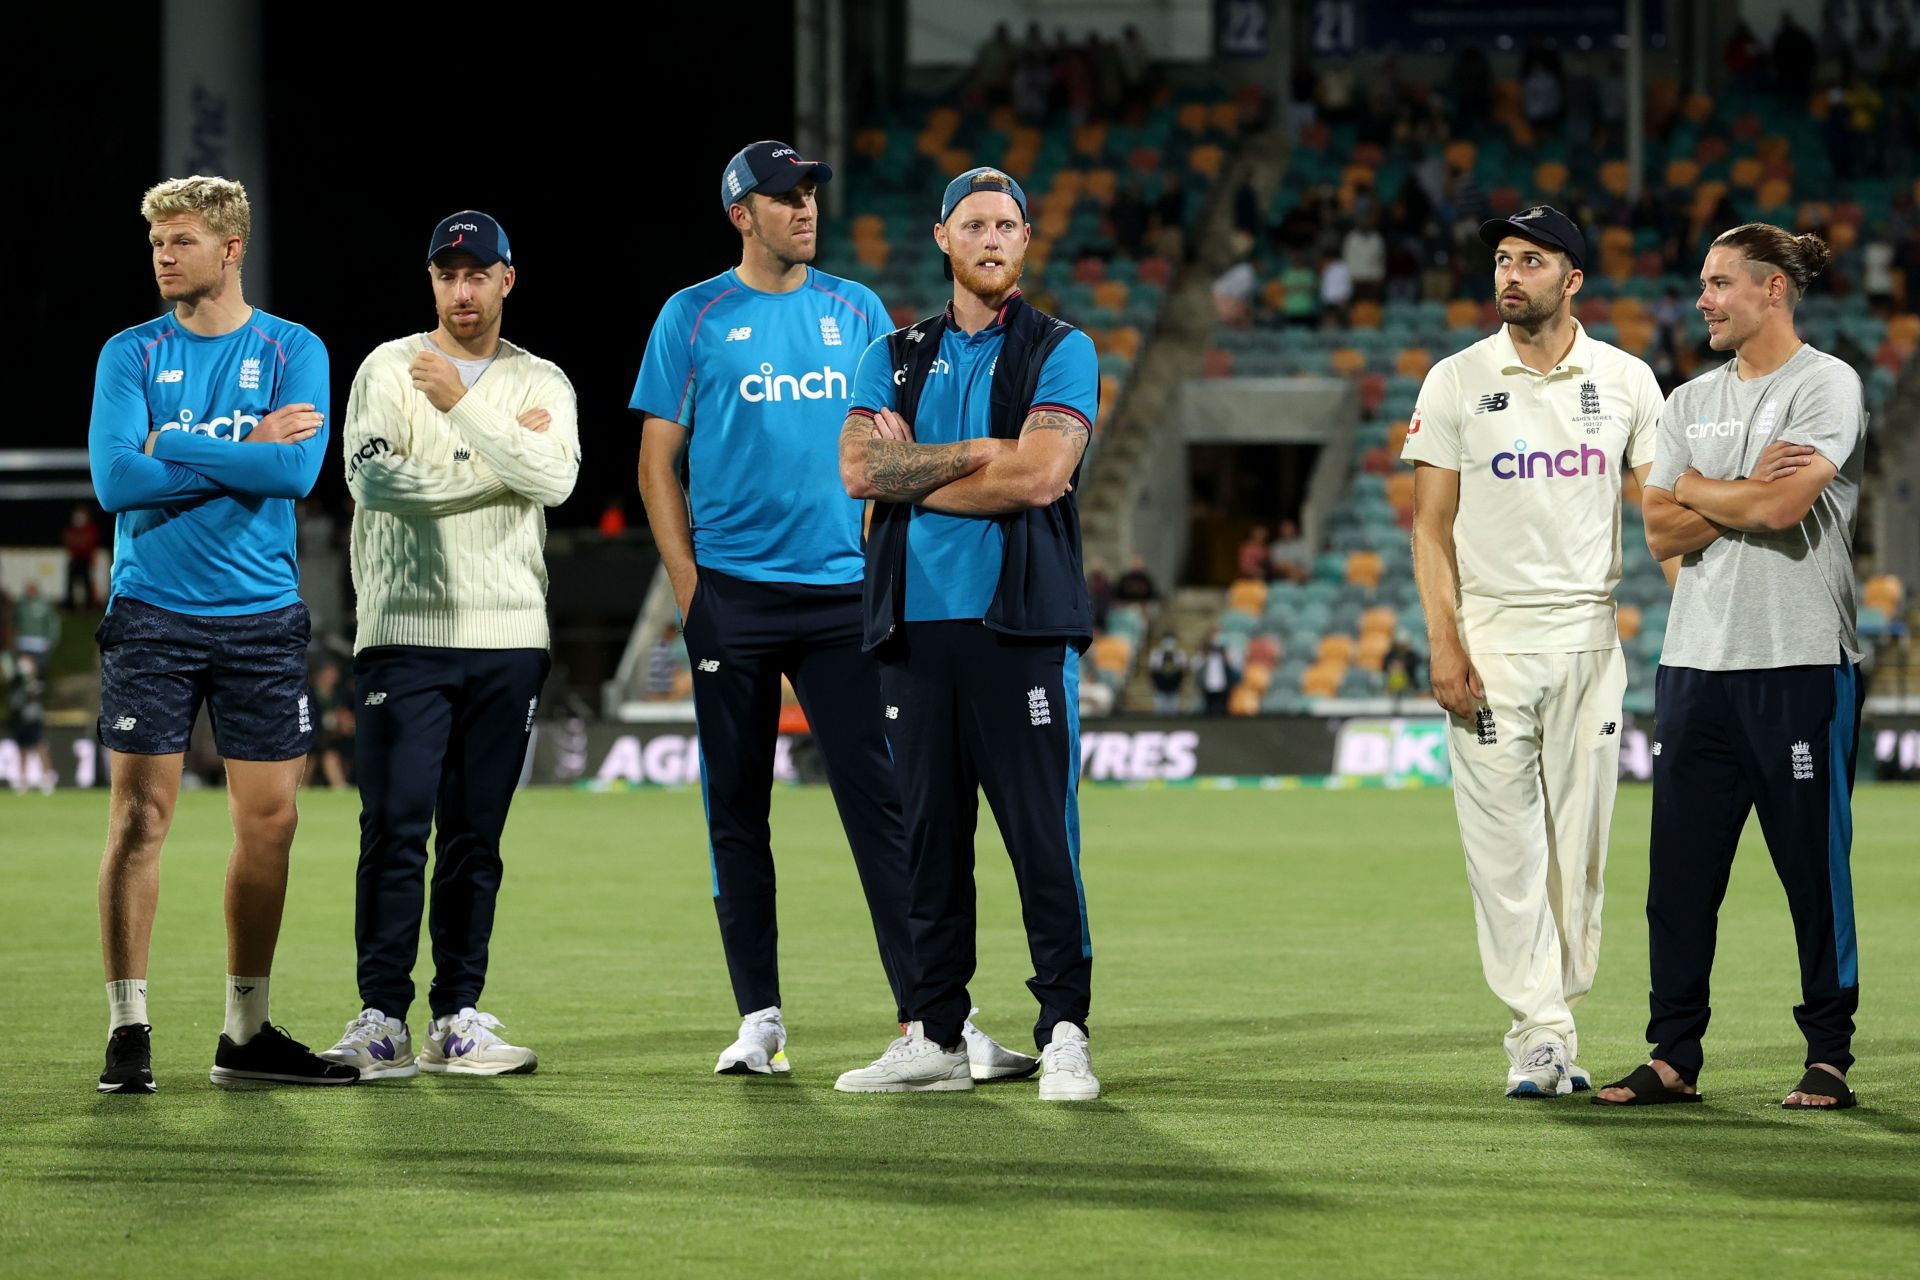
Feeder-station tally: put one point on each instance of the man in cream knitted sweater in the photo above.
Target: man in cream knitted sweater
(454, 440)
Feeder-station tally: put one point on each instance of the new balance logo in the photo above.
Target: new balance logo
(740, 334)
(708, 664)
(1608, 728)
(1656, 748)
(375, 699)
(1802, 757)
(457, 1048)
(1493, 403)
(381, 1049)
(829, 331)
(1038, 712)
(170, 375)
(124, 723)
(893, 713)
(1483, 727)
(462, 454)
(915, 335)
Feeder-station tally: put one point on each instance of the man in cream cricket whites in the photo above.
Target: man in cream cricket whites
(1757, 485)
(456, 441)
(1520, 444)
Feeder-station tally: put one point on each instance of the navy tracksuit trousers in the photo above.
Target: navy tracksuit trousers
(742, 637)
(440, 738)
(1781, 741)
(969, 709)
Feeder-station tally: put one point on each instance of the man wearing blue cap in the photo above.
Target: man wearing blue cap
(455, 442)
(966, 431)
(748, 374)
(1520, 444)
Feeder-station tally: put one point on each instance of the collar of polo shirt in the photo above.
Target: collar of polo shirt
(1579, 355)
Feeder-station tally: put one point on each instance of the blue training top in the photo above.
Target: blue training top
(760, 381)
(953, 562)
(205, 525)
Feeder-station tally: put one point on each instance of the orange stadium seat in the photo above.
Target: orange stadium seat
(1264, 650)
(1102, 184)
(1463, 313)
(1682, 174)
(1841, 236)
(1775, 193)
(1192, 117)
(1243, 701)
(1549, 178)
(1335, 647)
(1090, 140)
(1225, 116)
(1111, 294)
(1123, 341)
(1396, 440)
(1413, 362)
(1372, 651)
(1747, 172)
(1274, 292)
(1364, 315)
(1364, 569)
(1698, 108)
(1348, 362)
(1321, 680)
(1615, 178)
(1379, 618)
(1109, 396)
(1460, 154)
(1206, 160)
(1628, 618)
(871, 143)
(1400, 488)
(1247, 595)
(1258, 676)
(1112, 654)
(1883, 592)
(1773, 149)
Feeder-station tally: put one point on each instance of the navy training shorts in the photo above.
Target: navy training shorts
(157, 667)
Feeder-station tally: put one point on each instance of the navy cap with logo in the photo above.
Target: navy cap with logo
(1542, 224)
(770, 168)
(976, 180)
(470, 232)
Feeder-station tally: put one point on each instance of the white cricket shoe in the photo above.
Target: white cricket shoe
(1542, 1073)
(465, 1045)
(761, 1048)
(911, 1064)
(376, 1046)
(1066, 1067)
(988, 1059)
(1578, 1081)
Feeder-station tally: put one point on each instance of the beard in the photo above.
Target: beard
(1531, 314)
(989, 284)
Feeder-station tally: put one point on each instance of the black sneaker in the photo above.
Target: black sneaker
(129, 1066)
(274, 1057)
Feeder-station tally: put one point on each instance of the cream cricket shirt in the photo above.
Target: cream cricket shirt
(449, 534)
(1540, 457)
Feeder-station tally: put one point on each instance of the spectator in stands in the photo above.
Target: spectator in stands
(1467, 201)
(81, 538)
(332, 698)
(1135, 585)
(993, 68)
(1289, 558)
(1301, 303)
(1794, 56)
(1032, 80)
(1745, 56)
(36, 626)
(613, 519)
(1401, 666)
(1167, 669)
(1136, 62)
(1233, 292)
(1253, 554)
(27, 722)
(1877, 271)
(1100, 594)
(663, 663)
(1364, 251)
(1543, 97)
(1336, 292)
(1215, 674)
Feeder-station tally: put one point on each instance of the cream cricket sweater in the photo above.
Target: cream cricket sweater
(448, 529)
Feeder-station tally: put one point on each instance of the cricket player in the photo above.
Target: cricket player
(208, 424)
(966, 431)
(456, 441)
(1520, 443)
(1756, 482)
(747, 374)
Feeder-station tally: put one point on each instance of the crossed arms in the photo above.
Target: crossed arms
(879, 460)
(1691, 515)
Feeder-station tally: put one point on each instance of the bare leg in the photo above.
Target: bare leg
(1820, 1099)
(260, 796)
(139, 815)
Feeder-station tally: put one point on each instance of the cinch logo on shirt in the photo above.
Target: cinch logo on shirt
(940, 365)
(229, 427)
(1521, 465)
(1701, 430)
(815, 384)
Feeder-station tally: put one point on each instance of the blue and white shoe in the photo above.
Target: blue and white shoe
(1577, 1078)
(465, 1045)
(376, 1046)
(1541, 1074)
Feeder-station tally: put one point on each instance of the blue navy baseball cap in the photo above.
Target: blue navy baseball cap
(1542, 224)
(473, 232)
(980, 179)
(770, 168)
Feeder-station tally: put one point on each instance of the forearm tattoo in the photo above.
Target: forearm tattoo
(901, 471)
(1074, 430)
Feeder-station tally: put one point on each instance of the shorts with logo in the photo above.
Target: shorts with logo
(157, 667)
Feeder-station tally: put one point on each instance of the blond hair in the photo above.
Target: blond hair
(221, 203)
(1768, 248)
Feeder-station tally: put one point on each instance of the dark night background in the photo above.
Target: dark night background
(596, 139)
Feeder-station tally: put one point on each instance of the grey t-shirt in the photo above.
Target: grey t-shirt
(1750, 601)
(470, 370)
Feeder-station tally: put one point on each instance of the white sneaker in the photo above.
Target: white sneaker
(1542, 1073)
(911, 1064)
(761, 1048)
(987, 1059)
(1578, 1081)
(1066, 1067)
(464, 1044)
(376, 1046)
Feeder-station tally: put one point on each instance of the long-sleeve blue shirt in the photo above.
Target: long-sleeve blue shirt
(206, 524)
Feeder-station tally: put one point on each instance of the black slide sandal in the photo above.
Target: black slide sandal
(1649, 1090)
(1823, 1082)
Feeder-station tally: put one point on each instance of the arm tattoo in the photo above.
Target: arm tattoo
(901, 471)
(1071, 428)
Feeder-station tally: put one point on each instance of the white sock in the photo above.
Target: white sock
(126, 1002)
(246, 1008)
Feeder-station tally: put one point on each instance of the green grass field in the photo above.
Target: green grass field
(1300, 1062)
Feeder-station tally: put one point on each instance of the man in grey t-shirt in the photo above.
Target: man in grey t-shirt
(1756, 482)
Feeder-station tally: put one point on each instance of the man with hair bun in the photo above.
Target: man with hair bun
(208, 424)
(1756, 484)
